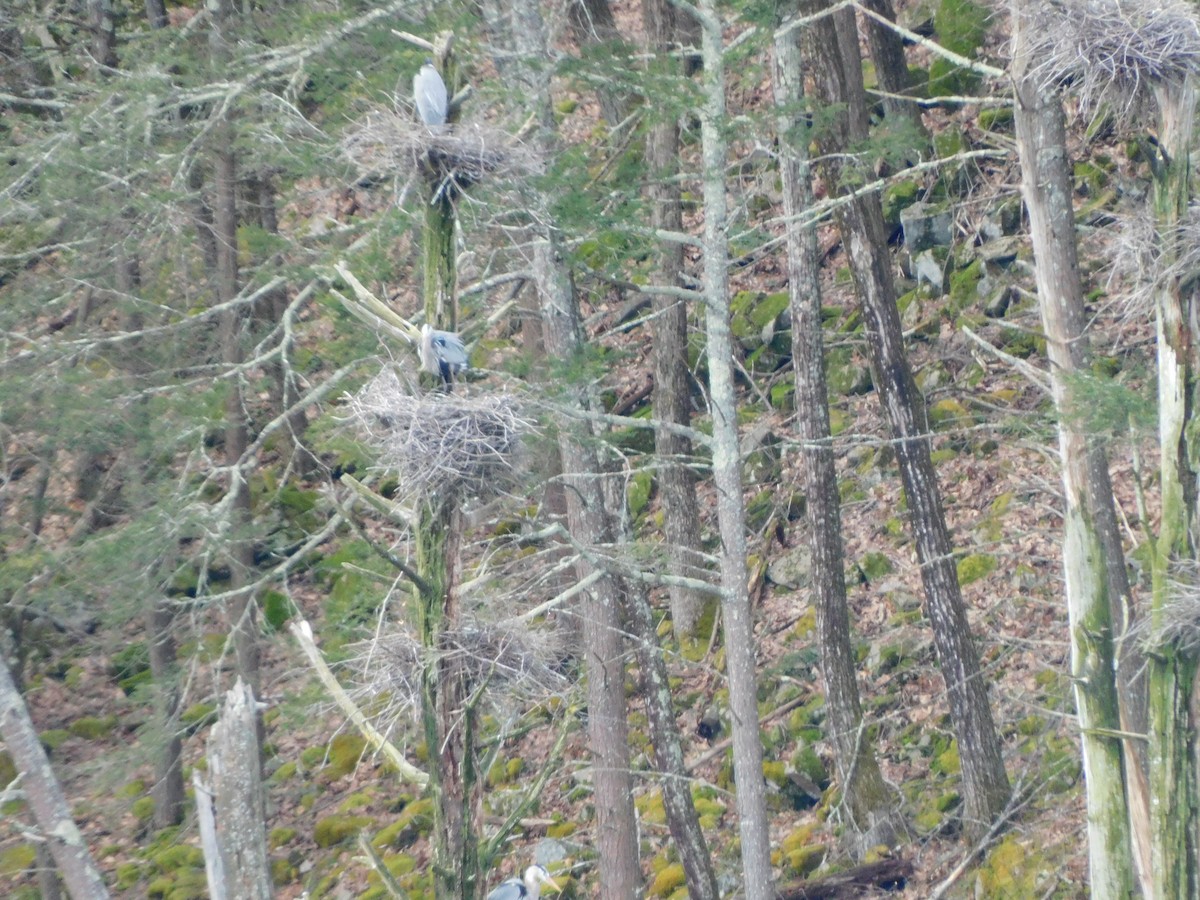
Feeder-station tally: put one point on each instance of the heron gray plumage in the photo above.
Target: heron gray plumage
(526, 888)
(442, 353)
(429, 93)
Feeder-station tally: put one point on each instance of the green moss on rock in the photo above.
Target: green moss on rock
(667, 881)
(345, 750)
(143, 809)
(93, 728)
(974, 567)
(334, 829)
(17, 859)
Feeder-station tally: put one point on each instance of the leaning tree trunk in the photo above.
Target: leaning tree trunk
(603, 645)
(860, 220)
(672, 380)
(871, 806)
(690, 846)
(1173, 659)
(1046, 187)
(727, 475)
(45, 797)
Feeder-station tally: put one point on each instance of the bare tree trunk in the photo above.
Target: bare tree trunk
(985, 783)
(891, 66)
(104, 32)
(871, 806)
(616, 833)
(592, 24)
(1173, 663)
(156, 13)
(690, 845)
(233, 755)
(588, 520)
(244, 610)
(672, 381)
(1046, 186)
(168, 761)
(727, 475)
(79, 872)
(284, 392)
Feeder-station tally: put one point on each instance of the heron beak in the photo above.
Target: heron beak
(554, 884)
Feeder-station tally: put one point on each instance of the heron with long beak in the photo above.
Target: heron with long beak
(429, 94)
(442, 353)
(527, 888)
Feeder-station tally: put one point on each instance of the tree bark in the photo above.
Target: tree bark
(690, 845)
(79, 872)
(168, 761)
(672, 380)
(244, 609)
(736, 614)
(588, 520)
(871, 806)
(1173, 665)
(891, 67)
(104, 33)
(616, 834)
(985, 783)
(233, 761)
(593, 25)
(1046, 187)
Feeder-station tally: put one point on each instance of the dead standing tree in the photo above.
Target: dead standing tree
(1140, 59)
(446, 449)
(449, 161)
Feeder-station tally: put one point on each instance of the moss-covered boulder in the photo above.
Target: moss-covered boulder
(93, 728)
(332, 830)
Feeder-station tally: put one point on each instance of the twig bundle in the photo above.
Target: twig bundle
(1114, 52)
(438, 442)
(1177, 623)
(453, 157)
(515, 662)
(1138, 259)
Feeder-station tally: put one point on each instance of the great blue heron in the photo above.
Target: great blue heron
(442, 353)
(429, 93)
(521, 888)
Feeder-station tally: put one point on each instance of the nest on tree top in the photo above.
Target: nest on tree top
(1114, 53)
(451, 158)
(441, 442)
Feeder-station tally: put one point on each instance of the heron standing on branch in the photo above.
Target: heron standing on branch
(442, 353)
(527, 888)
(429, 94)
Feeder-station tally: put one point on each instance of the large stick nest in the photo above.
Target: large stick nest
(452, 158)
(441, 442)
(1113, 52)
(515, 663)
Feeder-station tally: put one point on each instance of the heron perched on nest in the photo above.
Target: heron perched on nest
(429, 94)
(530, 886)
(442, 353)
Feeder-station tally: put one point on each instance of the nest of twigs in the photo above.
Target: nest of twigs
(452, 157)
(1114, 53)
(507, 662)
(1177, 624)
(440, 442)
(1143, 259)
